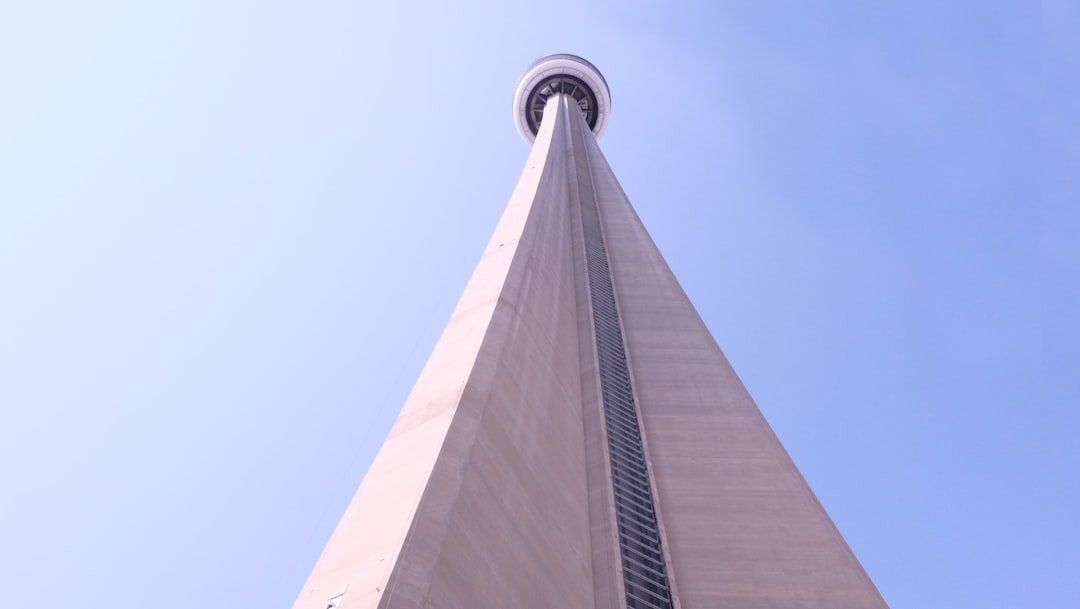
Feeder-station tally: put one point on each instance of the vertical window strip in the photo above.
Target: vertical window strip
(646, 586)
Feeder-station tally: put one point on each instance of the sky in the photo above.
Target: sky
(231, 233)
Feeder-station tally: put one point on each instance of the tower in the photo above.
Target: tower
(577, 438)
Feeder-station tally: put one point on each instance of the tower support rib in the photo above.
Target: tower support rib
(644, 570)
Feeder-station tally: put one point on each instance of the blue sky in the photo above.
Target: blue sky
(231, 232)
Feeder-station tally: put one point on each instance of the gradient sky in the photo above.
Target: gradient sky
(231, 233)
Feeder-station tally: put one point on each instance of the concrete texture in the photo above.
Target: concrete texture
(493, 488)
(741, 526)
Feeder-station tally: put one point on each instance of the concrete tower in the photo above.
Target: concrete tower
(577, 438)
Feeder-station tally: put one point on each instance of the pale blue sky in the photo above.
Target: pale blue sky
(231, 232)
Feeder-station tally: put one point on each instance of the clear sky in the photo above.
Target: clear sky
(231, 233)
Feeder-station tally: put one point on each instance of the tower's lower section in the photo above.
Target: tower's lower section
(577, 438)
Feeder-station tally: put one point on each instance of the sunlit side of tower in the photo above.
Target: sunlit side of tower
(577, 438)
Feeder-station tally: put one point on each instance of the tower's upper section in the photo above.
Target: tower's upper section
(561, 73)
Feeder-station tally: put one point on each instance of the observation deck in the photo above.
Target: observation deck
(561, 73)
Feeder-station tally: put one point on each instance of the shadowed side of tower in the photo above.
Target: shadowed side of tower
(742, 528)
(577, 438)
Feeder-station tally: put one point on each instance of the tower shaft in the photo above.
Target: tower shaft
(577, 438)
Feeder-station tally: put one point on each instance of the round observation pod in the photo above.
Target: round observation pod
(561, 73)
